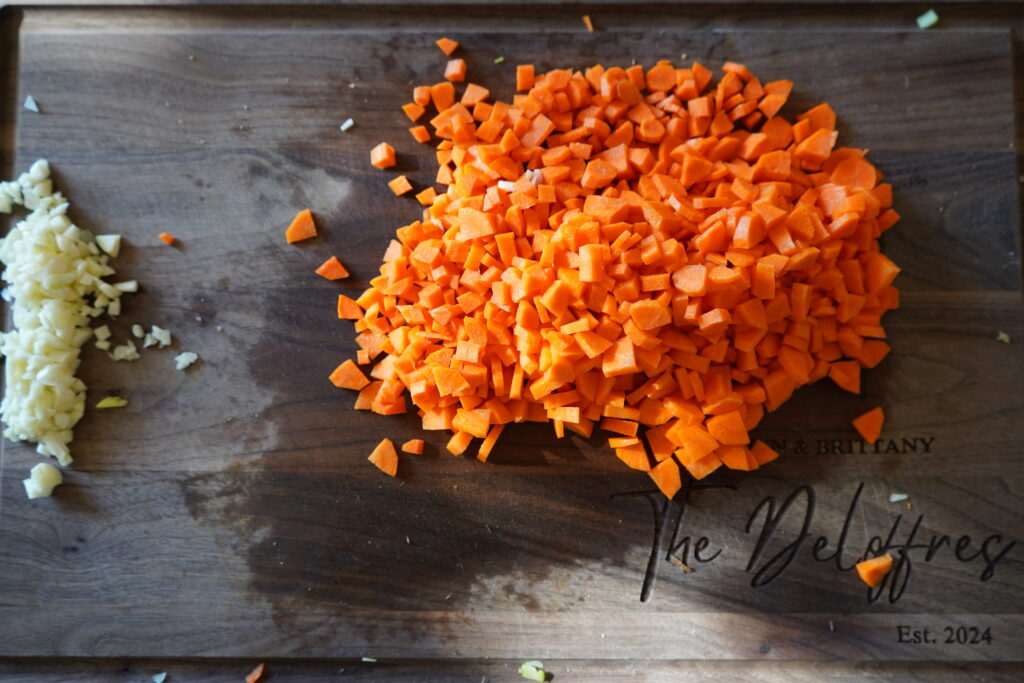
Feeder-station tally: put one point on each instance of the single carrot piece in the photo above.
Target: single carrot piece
(385, 458)
(349, 376)
(587, 23)
(869, 425)
(382, 156)
(443, 95)
(455, 71)
(872, 571)
(348, 309)
(400, 185)
(413, 110)
(421, 95)
(487, 445)
(426, 196)
(168, 238)
(763, 453)
(332, 269)
(474, 94)
(255, 674)
(420, 133)
(524, 76)
(413, 446)
(447, 45)
(846, 374)
(666, 476)
(301, 228)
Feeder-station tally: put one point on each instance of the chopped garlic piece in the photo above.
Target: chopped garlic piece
(127, 286)
(111, 244)
(112, 402)
(103, 344)
(102, 332)
(506, 185)
(126, 351)
(346, 124)
(1003, 337)
(138, 330)
(185, 359)
(532, 671)
(897, 497)
(43, 478)
(30, 104)
(160, 677)
(148, 340)
(162, 336)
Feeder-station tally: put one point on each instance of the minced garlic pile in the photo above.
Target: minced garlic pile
(54, 272)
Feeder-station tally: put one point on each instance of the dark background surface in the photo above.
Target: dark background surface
(229, 513)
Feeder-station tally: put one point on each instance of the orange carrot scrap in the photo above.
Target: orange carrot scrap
(332, 269)
(646, 252)
(400, 185)
(872, 571)
(524, 76)
(413, 110)
(302, 228)
(255, 674)
(413, 446)
(447, 45)
(382, 156)
(588, 23)
(455, 71)
(168, 238)
(348, 309)
(869, 425)
(349, 376)
(420, 133)
(385, 457)
(427, 196)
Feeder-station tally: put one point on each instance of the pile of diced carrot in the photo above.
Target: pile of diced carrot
(646, 252)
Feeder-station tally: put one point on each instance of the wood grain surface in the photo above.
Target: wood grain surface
(229, 510)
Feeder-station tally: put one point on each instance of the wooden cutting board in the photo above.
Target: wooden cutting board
(229, 511)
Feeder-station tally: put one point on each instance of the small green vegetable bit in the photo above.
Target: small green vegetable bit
(928, 19)
(112, 402)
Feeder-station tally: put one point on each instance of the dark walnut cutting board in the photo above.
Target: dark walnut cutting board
(230, 510)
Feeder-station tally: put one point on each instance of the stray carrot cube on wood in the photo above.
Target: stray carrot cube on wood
(332, 269)
(167, 238)
(385, 457)
(869, 425)
(413, 110)
(872, 571)
(301, 228)
(447, 45)
(400, 185)
(427, 196)
(382, 156)
(420, 133)
(255, 675)
(455, 71)
(413, 446)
